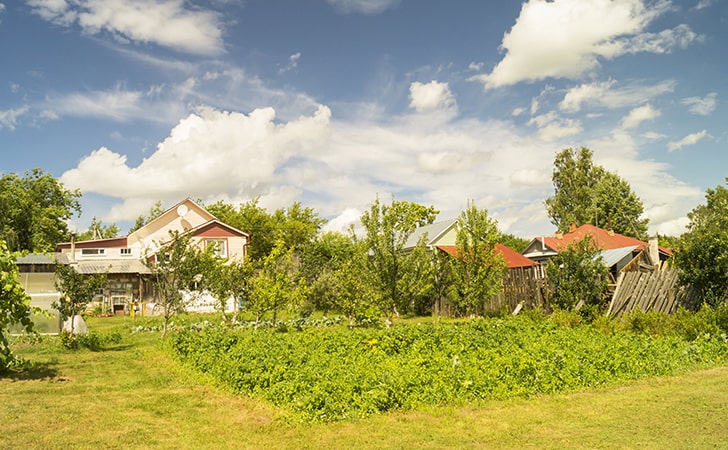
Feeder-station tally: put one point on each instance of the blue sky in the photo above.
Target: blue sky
(332, 102)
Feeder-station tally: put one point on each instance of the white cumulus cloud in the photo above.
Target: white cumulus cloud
(431, 96)
(167, 23)
(566, 38)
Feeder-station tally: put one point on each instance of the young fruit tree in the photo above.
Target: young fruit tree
(77, 291)
(177, 267)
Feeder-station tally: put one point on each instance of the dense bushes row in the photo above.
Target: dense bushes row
(324, 374)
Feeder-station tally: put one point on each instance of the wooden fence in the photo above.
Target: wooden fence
(651, 291)
(520, 286)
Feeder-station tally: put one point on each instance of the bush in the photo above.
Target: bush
(92, 341)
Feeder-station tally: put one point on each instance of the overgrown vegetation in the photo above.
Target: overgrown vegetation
(333, 374)
(14, 305)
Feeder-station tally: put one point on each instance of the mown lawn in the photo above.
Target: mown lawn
(133, 395)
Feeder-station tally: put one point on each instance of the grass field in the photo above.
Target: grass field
(132, 395)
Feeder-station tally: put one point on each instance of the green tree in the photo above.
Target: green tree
(320, 261)
(252, 219)
(516, 243)
(98, 230)
(178, 267)
(587, 193)
(577, 276)
(297, 226)
(387, 229)
(276, 284)
(34, 210)
(229, 279)
(702, 259)
(478, 268)
(77, 290)
(14, 304)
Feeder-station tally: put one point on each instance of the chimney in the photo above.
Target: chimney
(610, 232)
(559, 235)
(654, 250)
(572, 227)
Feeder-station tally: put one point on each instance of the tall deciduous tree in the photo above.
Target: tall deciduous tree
(34, 210)
(14, 304)
(702, 259)
(587, 193)
(387, 229)
(252, 219)
(478, 268)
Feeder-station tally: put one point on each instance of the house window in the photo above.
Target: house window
(93, 251)
(125, 252)
(219, 247)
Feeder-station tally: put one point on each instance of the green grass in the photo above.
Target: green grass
(133, 395)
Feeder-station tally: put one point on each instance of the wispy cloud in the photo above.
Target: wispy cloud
(611, 95)
(9, 118)
(690, 139)
(362, 6)
(167, 23)
(639, 115)
(702, 106)
(292, 63)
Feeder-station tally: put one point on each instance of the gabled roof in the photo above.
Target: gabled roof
(513, 258)
(602, 239)
(433, 231)
(216, 224)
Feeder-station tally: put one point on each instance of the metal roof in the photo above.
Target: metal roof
(615, 255)
(433, 231)
(112, 266)
(42, 258)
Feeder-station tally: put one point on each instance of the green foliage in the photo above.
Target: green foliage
(516, 243)
(478, 269)
(296, 226)
(702, 258)
(387, 229)
(178, 267)
(587, 193)
(577, 276)
(77, 290)
(92, 341)
(14, 304)
(333, 374)
(34, 210)
(276, 284)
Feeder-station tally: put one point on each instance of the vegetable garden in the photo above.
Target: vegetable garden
(321, 374)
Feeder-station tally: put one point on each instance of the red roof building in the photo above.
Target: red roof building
(513, 258)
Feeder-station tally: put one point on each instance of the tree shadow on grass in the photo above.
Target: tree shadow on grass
(32, 371)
